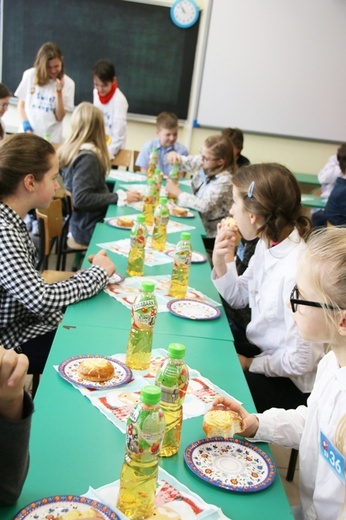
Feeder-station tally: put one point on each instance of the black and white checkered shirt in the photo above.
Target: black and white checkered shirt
(29, 307)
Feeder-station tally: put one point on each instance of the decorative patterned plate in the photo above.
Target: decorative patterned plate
(197, 258)
(68, 369)
(112, 221)
(58, 505)
(116, 278)
(193, 309)
(231, 464)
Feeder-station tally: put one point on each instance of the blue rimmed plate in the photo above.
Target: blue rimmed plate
(193, 309)
(58, 505)
(231, 464)
(68, 369)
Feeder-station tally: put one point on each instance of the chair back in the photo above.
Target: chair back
(135, 155)
(50, 222)
(122, 159)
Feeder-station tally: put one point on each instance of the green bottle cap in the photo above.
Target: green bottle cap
(154, 149)
(163, 200)
(151, 394)
(185, 236)
(176, 350)
(151, 181)
(140, 218)
(157, 170)
(148, 286)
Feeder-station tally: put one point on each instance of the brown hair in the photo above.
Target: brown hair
(47, 52)
(4, 92)
(272, 192)
(341, 155)
(104, 70)
(221, 148)
(166, 120)
(235, 135)
(21, 154)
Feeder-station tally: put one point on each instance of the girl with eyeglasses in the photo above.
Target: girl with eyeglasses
(4, 102)
(279, 366)
(211, 183)
(318, 430)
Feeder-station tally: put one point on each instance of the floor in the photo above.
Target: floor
(281, 455)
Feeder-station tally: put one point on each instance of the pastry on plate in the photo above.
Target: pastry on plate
(222, 423)
(125, 222)
(77, 514)
(96, 369)
(180, 212)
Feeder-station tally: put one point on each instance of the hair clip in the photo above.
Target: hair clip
(250, 190)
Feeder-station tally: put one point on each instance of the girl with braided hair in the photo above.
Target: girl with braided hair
(279, 366)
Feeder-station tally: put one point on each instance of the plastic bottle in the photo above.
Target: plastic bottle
(138, 239)
(149, 202)
(173, 379)
(153, 158)
(174, 178)
(161, 218)
(144, 311)
(158, 178)
(181, 267)
(144, 435)
(47, 136)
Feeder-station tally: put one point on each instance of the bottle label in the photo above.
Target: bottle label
(145, 431)
(169, 394)
(161, 220)
(144, 313)
(182, 255)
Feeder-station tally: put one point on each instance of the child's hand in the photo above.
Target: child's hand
(250, 421)
(172, 188)
(173, 158)
(59, 84)
(102, 260)
(133, 196)
(224, 249)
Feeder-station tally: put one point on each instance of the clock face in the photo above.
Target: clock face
(184, 13)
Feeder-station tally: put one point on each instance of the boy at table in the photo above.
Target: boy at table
(165, 142)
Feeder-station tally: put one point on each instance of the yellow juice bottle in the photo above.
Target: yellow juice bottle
(181, 267)
(161, 218)
(174, 177)
(139, 345)
(153, 158)
(173, 379)
(138, 238)
(144, 434)
(149, 202)
(158, 178)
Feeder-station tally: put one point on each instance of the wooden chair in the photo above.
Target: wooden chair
(135, 155)
(122, 160)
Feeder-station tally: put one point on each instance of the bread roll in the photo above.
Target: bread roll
(125, 222)
(96, 369)
(180, 212)
(232, 223)
(76, 514)
(222, 423)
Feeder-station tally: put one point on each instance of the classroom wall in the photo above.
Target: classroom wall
(304, 156)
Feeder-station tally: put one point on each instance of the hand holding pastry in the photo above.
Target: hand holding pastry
(249, 421)
(224, 249)
(102, 260)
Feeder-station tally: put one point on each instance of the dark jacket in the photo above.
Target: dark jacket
(85, 179)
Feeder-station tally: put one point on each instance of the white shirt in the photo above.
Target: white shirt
(328, 175)
(40, 104)
(266, 286)
(115, 114)
(321, 492)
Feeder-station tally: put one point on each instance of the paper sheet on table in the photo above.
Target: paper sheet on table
(124, 176)
(172, 226)
(151, 256)
(127, 291)
(173, 500)
(117, 403)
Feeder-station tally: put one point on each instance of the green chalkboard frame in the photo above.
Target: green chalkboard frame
(153, 58)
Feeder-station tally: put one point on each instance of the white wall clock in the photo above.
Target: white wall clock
(184, 13)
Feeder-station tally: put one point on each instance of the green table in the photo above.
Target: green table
(307, 181)
(313, 201)
(73, 445)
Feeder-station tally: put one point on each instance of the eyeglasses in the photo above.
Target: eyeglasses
(295, 301)
(208, 159)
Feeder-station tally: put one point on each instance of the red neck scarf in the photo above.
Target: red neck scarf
(105, 99)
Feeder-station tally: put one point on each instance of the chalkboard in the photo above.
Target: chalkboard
(276, 67)
(153, 58)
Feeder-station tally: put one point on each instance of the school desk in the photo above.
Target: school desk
(73, 445)
(312, 201)
(307, 181)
